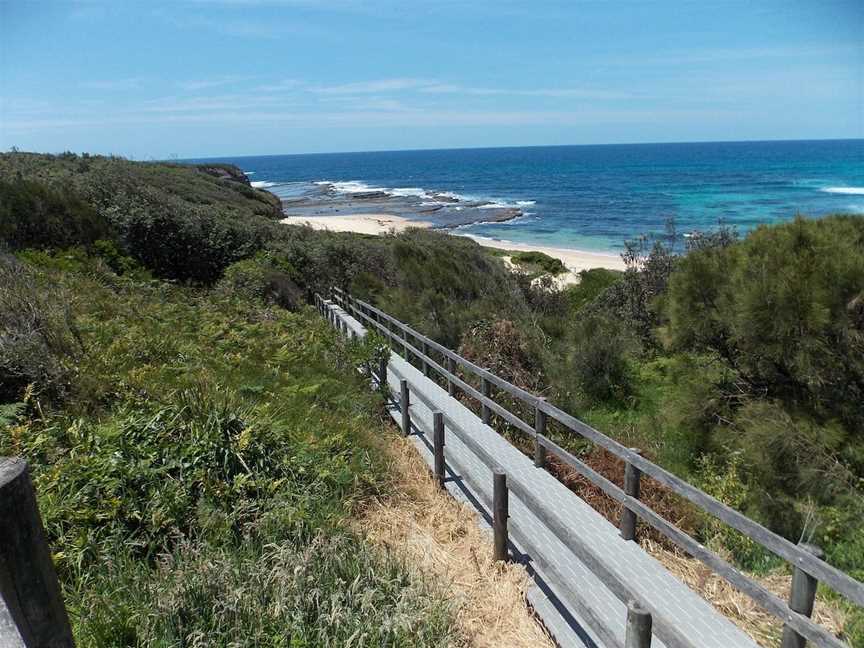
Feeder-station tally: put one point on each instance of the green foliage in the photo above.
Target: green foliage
(33, 215)
(38, 340)
(592, 283)
(210, 447)
(177, 221)
(330, 590)
(637, 298)
(725, 483)
(781, 307)
(539, 263)
(599, 361)
(260, 278)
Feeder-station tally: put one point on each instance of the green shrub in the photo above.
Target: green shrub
(33, 215)
(259, 279)
(725, 483)
(789, 458)
(539, 262)
(592, 283)
(37, 337)
(178, 222)
(599, 361)
(781, 307)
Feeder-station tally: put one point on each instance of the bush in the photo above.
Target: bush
(188, 246)
(539, 262)
(33, 215)
(592, 283)
(258, 279)
(176, 221)
(781, 307)
(599, 361)
(38, 340)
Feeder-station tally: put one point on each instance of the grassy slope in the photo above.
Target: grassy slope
(463, 296)
(197, 451)
(196, 480)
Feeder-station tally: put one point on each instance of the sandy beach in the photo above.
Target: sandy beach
(359, 223)
(575, 260)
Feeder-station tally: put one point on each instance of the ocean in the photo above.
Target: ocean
(584, 197)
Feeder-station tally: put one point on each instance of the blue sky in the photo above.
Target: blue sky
(234, 77)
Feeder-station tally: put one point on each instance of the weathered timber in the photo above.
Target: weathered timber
(28, 581)
(829, 575)
(499, 515)
(632, 486)
(539, 431)
(638, 633)
(485, 412)
(760, 595)
(405, 406)
(438, 447)
(801, 598)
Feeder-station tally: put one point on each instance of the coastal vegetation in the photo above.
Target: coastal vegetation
(185, 412)
(538, 263)
(199, 452)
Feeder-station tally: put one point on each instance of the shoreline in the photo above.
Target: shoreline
(377, 224)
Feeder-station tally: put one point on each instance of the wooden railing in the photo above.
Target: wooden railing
(806, 561)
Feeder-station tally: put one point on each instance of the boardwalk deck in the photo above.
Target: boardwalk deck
(575, 605)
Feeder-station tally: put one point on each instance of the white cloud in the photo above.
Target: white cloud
(203, 84)
(581, 93)
(131, 83)
(380, 85)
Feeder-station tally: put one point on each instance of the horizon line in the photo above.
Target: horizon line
(518, 146)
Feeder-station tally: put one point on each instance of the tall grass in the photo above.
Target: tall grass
(196, 478)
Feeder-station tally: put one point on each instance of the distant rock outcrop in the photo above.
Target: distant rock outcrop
(225, 172)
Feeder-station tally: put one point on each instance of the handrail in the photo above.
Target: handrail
(558, 528)
(826, 573)
(763, 597)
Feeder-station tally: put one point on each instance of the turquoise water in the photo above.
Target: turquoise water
(595, 197)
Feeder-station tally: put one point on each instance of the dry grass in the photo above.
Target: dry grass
(440, 536)
(763, 627)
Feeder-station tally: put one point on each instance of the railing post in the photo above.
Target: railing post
(427, 370)
(28, 582)
(632, 483)
(638, 627)
(438, 447)
(451, 367)
(405, 404)
(539, 429)
(382, 374)
(405, 346)
(485, 411)
(499, 515)
(801, 598)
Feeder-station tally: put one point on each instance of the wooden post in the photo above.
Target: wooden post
(632, 479)
(382, 375)
(485, 411)
(427, 369)
(451, 367)
(499, 515)
(539, 428)
(438, 447)
(405, 404)
(28, 582)
(638, 627)
(801, 598)
(405, 345)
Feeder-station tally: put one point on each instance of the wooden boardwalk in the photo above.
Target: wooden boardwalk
(574, 554)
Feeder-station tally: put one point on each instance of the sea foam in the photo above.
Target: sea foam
(851, 191)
